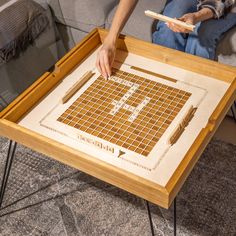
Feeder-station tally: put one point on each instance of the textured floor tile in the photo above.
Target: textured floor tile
(52, 199)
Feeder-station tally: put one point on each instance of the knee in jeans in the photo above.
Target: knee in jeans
(162, 33)
(206, 37)
(163, 29)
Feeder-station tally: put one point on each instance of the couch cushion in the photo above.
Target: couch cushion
(226, 50)
(42, 2)
(70, 36)
(139, 25)
(84, 15)
(22, 22)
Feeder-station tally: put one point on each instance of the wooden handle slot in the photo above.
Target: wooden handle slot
(88, 75)
(153, 74)
(181, 127)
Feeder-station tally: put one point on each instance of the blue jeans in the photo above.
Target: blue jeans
(203, 41)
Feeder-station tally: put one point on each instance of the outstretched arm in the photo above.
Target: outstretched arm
(106, 55)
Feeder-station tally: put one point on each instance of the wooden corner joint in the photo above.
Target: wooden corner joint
(211, 124)
(181, 127)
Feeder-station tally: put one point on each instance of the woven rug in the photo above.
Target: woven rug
(45, 197)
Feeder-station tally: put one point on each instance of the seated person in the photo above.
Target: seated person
(212, 19)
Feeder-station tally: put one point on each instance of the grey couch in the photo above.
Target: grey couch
(76, 18)
(20, 72)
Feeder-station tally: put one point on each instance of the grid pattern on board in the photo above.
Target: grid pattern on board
(127, 110)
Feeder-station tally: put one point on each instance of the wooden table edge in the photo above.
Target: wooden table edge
(130, 182)
(169, 191)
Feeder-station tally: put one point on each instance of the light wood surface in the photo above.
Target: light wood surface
(157, 194)
(79, 160)
(154, 74)
(173, 57)
(184, 169)
(88, 75)
(183, 124)
(223, 107)
(169, 20)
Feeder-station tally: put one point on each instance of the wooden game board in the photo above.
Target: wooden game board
(132, 100)
(135, 115)
(126, 110)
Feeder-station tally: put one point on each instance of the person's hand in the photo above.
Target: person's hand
(105, 58)
(189, 18)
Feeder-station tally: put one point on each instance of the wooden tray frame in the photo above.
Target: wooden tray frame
(162, 196)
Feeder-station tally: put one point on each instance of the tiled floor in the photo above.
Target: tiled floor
(52, 199)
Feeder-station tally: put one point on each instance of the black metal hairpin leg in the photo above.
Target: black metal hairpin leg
(7, 169)
(233, 110)
(150, 218)
(175, 217)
